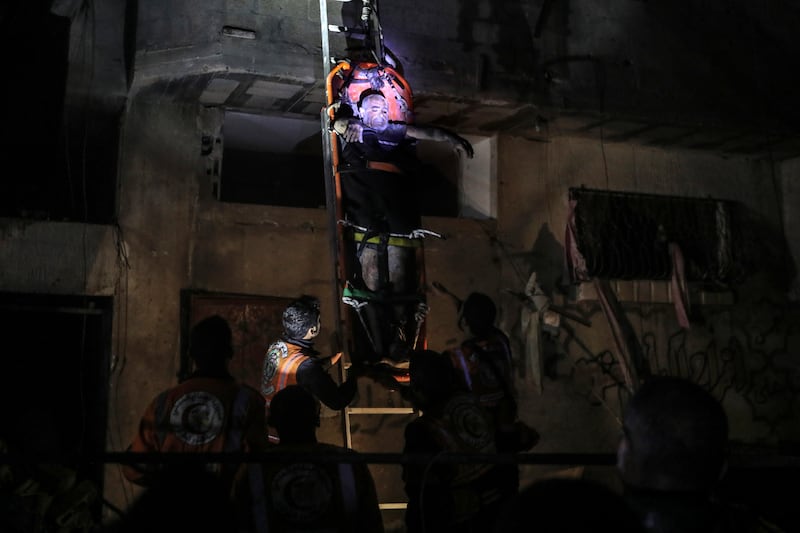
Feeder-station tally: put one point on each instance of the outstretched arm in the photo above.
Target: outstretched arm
(432, 133)
(316, 380)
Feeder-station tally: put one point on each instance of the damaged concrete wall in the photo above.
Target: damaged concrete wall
(744, 351)
(176, 236)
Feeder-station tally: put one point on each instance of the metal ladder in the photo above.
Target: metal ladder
(371, 34)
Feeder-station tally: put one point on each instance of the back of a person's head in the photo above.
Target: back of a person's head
(478, 312)
(567, 506)
(211, 341)
(675, 437)
(294, 410)
(431, 376)
(299, 316)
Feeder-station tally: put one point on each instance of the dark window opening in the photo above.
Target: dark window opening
(65, 157)
(625, 235)
(272, 161)
(54, 382)
(272, 179)
(438, 180)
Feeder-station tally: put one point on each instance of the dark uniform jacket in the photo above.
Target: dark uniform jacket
(202, 414)
(452, 497)
(300, 495)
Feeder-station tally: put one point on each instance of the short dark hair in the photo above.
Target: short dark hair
(293, 408)
(211, 340)
(478, 312)
(300, 316)
(677, 431)
(367, 93)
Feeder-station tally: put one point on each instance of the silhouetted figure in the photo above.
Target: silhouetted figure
(671, 457)
(209, 412)
(567, 506)
(301, 494)
(484, 365)
(445, 496)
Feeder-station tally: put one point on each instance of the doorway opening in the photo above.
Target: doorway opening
(54, 377)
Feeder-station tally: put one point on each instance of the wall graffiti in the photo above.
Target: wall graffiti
(747, 354)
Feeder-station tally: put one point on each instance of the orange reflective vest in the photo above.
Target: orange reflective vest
(280, 367)
(202, 414)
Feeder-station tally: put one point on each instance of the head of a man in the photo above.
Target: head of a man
(211, 342)
(478, 313)
(295, 413)
(374, 110)
(675, 437)
(301, 318)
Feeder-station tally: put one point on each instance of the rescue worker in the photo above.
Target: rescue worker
(448, 497)
(484, 366)
(484, 360)
(292, 360)
(208, 412)
(300, 494)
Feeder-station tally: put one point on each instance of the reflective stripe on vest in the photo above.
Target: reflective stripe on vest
(347, 482)
(233, 441)
(289, 369)
(258, 498)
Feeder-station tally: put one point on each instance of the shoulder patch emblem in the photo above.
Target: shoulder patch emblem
(277, 351)
(302, 493)
(197, 418)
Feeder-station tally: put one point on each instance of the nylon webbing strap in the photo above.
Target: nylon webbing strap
(350, 293)
(402, 242)
(384, 166)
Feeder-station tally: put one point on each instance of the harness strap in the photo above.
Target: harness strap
(414, 235)
(383, 261)
(384, 166)
(351, 295)
(394, 240)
